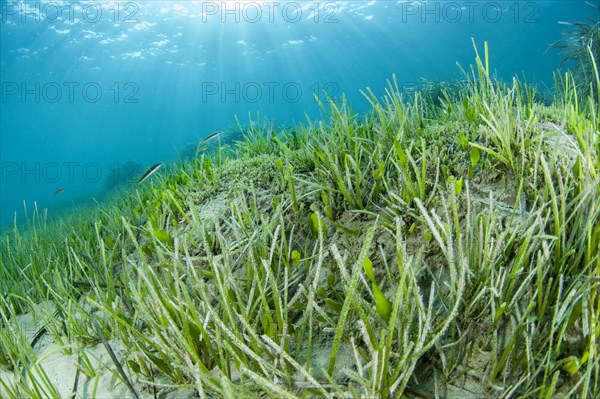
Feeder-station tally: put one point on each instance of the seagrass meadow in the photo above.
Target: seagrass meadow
(438, 246)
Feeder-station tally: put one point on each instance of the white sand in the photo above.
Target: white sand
(60, 368)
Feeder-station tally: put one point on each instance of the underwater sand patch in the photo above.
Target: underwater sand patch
(213, 209)
(557, 138)
(60, 367)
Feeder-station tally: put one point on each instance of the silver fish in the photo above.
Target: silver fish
(149, 172)
(212, 136)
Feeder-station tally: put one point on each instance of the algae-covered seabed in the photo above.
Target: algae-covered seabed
(436, 247)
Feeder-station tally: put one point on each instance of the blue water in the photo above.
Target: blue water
(94, 92)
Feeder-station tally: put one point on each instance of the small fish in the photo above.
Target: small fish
(212, 136)
(149, 172)
(59, 191)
